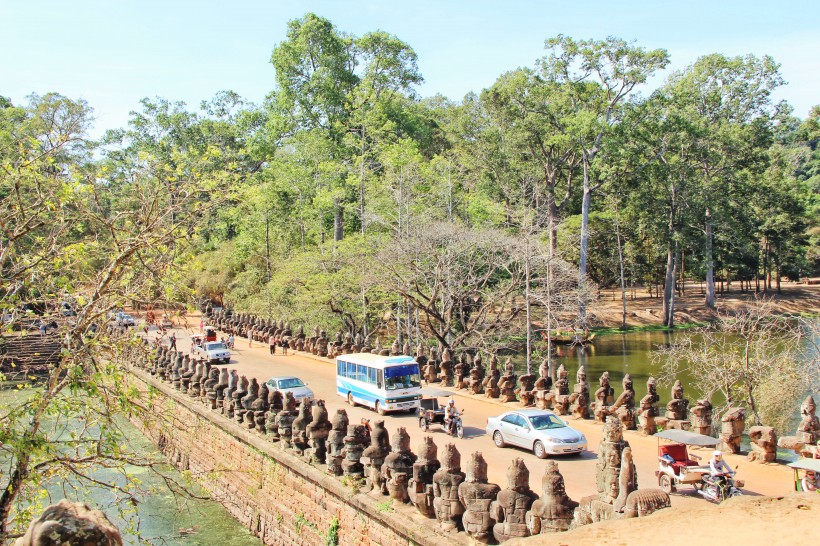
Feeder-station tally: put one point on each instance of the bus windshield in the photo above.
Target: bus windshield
(402, 377)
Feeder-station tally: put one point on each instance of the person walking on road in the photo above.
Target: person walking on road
(272, 343)
(174, 342)
(284, 347)
(250, 338)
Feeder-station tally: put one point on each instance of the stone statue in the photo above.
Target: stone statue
(608, 467)
(624, 406)
(603, 398)
(398, 466)
(553, 512)
(335, 442)
(627, 480)
(808, 431)
(579, 399)
(373, 458)
(211, 386)
(317, 433)
(490, 383)
(259, 408)
(525, 391)
(560, 399)
(475, 383)
(284, 419)
(69, 523)
(764, 444)
(235, 410)
(512, 504)
(677, 409)
(355, 441)
(275, 404)
(543, 386)
(446, 482)
(446, 374)
(476, 495)
(421, 484)
(431, 371)
(299, 439)
(702, 417)
(507, 382)
(732, 425)
(460, 373)
(648, 410)
(247, 401)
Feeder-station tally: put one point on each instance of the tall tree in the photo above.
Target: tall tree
(596, 76)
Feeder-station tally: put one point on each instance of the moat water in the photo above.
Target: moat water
(162, 517)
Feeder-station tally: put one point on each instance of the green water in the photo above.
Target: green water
(161, 516)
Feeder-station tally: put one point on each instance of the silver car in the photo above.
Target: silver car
(213, 351)
(539, 430)
(291, 384)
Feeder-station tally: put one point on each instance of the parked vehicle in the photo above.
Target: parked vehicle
(166, 322)
(124, 319)
(539, 430)
(212, 351)
(291, 384)
(676, 466)
(384, 383)
(811, 470)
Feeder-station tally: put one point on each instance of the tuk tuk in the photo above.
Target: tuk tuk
(676, 466)
(808, 466)
(210, 333)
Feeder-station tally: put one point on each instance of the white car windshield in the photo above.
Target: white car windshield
(546, 422)
(290, 383)
(218, 346)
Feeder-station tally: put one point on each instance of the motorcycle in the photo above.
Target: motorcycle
(718, 490)
(454, 427)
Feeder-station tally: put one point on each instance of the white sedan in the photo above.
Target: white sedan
(539, 430)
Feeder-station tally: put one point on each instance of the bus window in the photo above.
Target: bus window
(341, 368)
(402, 377)
(361, 373)
(379, 378)
(371, 375)
(351, 371)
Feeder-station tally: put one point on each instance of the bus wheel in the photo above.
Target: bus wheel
(379, 409)
(350, 399)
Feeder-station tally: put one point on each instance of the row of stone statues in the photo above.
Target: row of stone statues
(435, 485)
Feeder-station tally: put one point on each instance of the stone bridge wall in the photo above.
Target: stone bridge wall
(278, 496)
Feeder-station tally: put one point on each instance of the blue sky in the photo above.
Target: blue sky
(114, 52)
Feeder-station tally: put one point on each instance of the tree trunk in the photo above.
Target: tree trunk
(621, 267)
(777, 269)
(267, 247)
(582, 267)
(669, 287)
(710, 266)
(338, 220)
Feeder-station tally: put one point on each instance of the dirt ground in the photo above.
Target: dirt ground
(749, 521)
(644, 310)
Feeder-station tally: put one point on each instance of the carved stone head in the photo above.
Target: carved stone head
(427, 450)
(477, 468)
(552, 483)
(451, 460)
(401, 441)
(518, 475)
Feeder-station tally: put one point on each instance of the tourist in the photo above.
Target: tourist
(201, 325)
(811, 481)
(284, 347)
(173, 341)
(272, 343)
(250, 337)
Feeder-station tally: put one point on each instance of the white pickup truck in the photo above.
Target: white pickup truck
(212, 351)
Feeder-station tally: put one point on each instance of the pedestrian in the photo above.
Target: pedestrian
(272, 343)
(43, 328)
(284, 347)
(201, 325)
(174, 341)
(250, 337)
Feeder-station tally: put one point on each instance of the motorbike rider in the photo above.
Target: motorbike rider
(719, 469)
(450, 414)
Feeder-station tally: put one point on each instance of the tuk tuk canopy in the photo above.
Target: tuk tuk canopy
(686, 437)
(806, 464)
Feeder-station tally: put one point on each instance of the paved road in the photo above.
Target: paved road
(578, 470)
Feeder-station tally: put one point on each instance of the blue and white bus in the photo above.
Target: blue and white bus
(384, 383)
